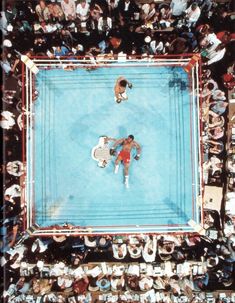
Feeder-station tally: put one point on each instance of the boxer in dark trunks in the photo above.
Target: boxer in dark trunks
(124, 155)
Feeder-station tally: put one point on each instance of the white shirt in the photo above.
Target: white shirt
(42, 246)
(145, 280)
(216, 56)
(193, 15)
(7, 120)
(15, 168)
(13, 191)
(213, 164)
(83, 11)
(156, 48)
(101, 24)
(178, 7)
(115, 251)
(68, 8)
(145, 8)
(126, 6)
(150, 257)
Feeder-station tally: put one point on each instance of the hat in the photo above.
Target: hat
(7, 43)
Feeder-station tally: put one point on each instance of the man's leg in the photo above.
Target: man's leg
(117, 161)
(126, 174)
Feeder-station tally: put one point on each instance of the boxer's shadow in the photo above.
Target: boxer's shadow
(122, 132)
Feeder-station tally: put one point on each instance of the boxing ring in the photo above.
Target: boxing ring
(64, 189)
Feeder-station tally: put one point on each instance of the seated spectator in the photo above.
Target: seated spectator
(117, 282)
(187, 287)
(83, 11)
(165, 14)
(23, 285)
(132, 282)
(15, 168)
(159, 283)
(127, 8)
(7, 120)
(90, 241)
(13, 191)
(42, 11)
(69, 9)
(135, 250)
(217, 108)
(156, 45)
(211, 166)
(67, 38)
(80, 285)
(119, 251)
(148, 12)
(216, 132)
(218, 95)
(215, 147)
(149, 250)
(201, 282)
(60, 51)
(16, 255)
(113, 9)
(64, 282)
(96, 12)
(190, 37)
(145, 283)
(215, 121)
(192, 14)
(103, 282)
(214, 50)
(206, 6)
(3, 23)
(104, 24)
(7, 66)
(172, 285)
(178, 7)
(104, 242)
(209, 87)
(40, 286)
(10, 11)
(165, 248)
(56, 12)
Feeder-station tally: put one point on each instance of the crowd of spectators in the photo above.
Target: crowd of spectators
(73, 268)
(104, 28)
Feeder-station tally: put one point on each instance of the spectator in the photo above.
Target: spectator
(127, 8)
(192, 14)
(119, 251)
(149, 250)
(178, 7)
(83, 11)
(69, 9)
(42, 11)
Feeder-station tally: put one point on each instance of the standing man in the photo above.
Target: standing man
(120, 89)
(125, 155)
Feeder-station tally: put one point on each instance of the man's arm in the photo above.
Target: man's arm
(112, 149)
(118, 142)
(107, 139)
(138, 148)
